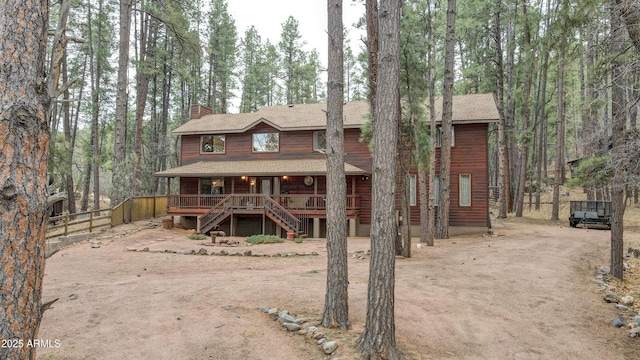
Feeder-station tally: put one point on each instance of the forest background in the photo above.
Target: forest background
(548, 63)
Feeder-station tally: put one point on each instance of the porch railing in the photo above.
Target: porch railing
(291, 202)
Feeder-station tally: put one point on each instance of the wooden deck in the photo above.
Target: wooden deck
(312, 206)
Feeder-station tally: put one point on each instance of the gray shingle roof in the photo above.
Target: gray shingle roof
(475, 108)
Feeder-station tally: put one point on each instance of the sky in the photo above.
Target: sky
(269, 15)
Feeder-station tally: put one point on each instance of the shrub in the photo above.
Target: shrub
(298, 240)
(197, 237)
(264, 239)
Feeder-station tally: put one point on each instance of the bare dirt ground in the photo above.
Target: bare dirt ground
(525, 292)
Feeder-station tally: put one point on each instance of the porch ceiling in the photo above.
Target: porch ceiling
(256, 168)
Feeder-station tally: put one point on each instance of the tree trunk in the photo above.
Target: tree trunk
(503, 160)
(378, 339)
(119, 188)
(336, 308)
(372, 49)
(68, 141)
(526, 113)
(24, 104)
(557, 177)
(442, 228)
(619, 119)
(147, 47)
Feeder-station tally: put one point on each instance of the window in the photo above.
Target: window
(212, 144)
(439, 137)
(465, 189)
(269, 142)
(412, 190)
(319, 140)
(211, 186)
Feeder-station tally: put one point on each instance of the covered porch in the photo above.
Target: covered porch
(253, 189)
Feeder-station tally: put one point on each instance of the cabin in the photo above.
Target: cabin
(265, 172)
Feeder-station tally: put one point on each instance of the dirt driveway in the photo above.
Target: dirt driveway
(523, 293)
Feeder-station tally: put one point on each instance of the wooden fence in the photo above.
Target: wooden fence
(132, 209)
(138, 208)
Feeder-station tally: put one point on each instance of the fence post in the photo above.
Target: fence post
(91, 220)
(66, 224)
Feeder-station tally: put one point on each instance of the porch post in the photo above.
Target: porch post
(352, 227)
(316, 227)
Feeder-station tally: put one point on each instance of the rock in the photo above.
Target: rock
(286, 318)
(300, 321)
(291, 326)
(635, 331)
(619, 321)
(273, 313)
(224, 252)
(318, 335)
(612, 297)
(627, 300)
(302, 332)
(247, 253)
(312, 329)
(321, 341)
(202, 251)
(621, 307)
(598, 281)
(95, 245)
(636, 320)
(329, 347)
(604, 270)
(265, 309)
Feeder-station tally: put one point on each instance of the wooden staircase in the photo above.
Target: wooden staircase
(236, 203)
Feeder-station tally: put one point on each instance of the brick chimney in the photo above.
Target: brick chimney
(198, 111)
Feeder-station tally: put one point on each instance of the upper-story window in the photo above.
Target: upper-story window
(439, 137)
(269, 142)
(212, 144)
(319, 140)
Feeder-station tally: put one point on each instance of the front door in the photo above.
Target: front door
(265, 186)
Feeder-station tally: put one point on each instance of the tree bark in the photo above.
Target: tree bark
(442, 227)
(119, 189)
(371, 15)
(503, 159)
(24, 102)
(378, 339)
(336, 308)
(619, 119)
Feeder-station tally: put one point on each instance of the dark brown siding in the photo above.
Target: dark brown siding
(468, 156)
(293, 145)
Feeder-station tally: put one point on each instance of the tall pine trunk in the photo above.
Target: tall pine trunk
(619, 119)
(378, 339)
(119, 188)
(442, 227)
(336, 306)
(24, 127)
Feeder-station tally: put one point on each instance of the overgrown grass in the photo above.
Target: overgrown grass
(264, 239)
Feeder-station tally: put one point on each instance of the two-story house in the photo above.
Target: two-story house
(264, 172)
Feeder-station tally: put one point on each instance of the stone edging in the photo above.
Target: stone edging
(224, 252)
(301, 327)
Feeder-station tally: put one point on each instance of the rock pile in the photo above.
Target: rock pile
(300, 326)
(622, 302)
(223, 252)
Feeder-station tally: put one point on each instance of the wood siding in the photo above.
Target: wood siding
(469, 156)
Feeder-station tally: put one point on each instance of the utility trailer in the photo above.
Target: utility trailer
(590, 214)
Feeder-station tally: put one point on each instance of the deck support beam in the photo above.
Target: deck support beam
(316, 227)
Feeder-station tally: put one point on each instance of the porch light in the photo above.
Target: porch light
(365, 177)
(243, 178)
(285, 178)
